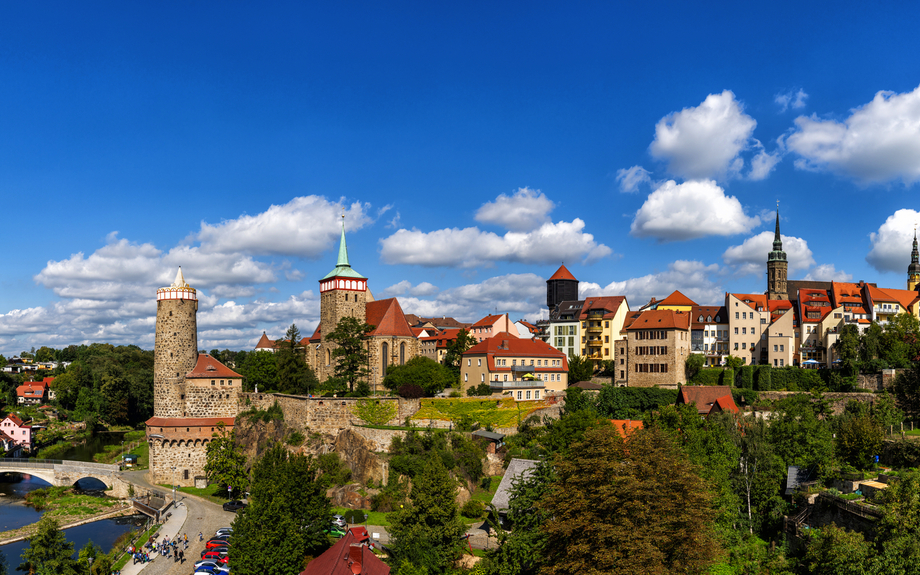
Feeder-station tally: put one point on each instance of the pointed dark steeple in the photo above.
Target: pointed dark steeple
(913, 270)
(777, 266)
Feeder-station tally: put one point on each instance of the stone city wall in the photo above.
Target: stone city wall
(838, 401)
(322, 414)
(207, 401)
(187, 456)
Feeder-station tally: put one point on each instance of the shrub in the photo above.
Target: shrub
(472, 509)
(334, 470)
(411, 391)
(374, 411)
(294, 438)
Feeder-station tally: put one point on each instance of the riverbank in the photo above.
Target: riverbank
(66, 521)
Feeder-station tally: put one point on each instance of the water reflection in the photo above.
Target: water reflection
(13, 511)
(93, 445)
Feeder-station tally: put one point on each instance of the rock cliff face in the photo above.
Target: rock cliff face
(256, 436)
(358, 454)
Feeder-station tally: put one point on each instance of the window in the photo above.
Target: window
(781, 363)
(744, 331)
(528, 394)
(384, 353)
(744, 315)
(506, 377)
(736, 313)
(782, 347)
(482, 377)
(513, 362)
(519, 394)
(606, 324)
(536, 394)
(763, 321)
(736, 331)
(469, 362)
(479, 362)
(775, 348)
(466, 377)
(606, 351)
(736, 345)
(743, 345)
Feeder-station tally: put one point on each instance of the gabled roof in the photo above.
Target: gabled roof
(901, 296)
(509, 345)
(488, 320)
(387, 318)
(518, 470)
(708, 398)
(610, 304)
(349, 556)
(562, 274)
(208, 368)
(265, 343)
(661, 319)
(15, 419)
(444, 322)
(702, 315)
(31, 389)
(676, 298)
(754, 300)
(627, 426)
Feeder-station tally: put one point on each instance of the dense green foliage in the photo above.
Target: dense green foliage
(350, 354)
(426, 531)
(454, 354)
(286, 517)
(619, 402)
(422, 371)
(580, 368)
(49, 552)
(226, 463)
(374, 411)
(456, 452)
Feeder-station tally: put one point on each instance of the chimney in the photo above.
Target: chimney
(355, 557)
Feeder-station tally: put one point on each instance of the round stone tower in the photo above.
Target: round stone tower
(175, 351)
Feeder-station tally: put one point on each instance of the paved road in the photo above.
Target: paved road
(203, 516)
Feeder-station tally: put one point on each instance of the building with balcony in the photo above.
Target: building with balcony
(526, 368)
(709, 333)
(564, 327)
(602, 319)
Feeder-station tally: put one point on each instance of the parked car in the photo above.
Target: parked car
(216, 542)
(206, 563)
(209, 570)
(224, 532)
(339, 521)
(234, 506)
(218, 555)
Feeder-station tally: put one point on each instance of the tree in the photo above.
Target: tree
(580, 368)
(869, 343)
(859, 436)
(421, 371)
(520, 551)
(426, 531)
(906, 389)
(225, 462)
(847, 346)
(836, 551)
(286, 518)
(694, 364)
(294, 375)
(899, 344)
(49, 552)
(350, 354)
(260, 370)
(800, 433)
(455, 350)
(44, 353)
(292, 337)
(641, 501)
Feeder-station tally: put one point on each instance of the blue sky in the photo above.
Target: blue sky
(474, 146)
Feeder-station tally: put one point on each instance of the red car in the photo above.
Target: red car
(218, 556)
(216, 542)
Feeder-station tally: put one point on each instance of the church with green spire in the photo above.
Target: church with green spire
(777, 268)
(913, 270)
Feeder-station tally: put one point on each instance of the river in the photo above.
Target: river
(14, 513)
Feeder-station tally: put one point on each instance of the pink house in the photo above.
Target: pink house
(16, 431)
(492, 325)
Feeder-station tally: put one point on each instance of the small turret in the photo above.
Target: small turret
(913, 270)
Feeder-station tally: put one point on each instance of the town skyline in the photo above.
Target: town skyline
(468, 171)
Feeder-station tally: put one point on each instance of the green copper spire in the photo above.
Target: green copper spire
(777, 254)
(343, 249)
(342, 267)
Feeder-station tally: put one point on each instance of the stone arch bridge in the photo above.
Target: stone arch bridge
(60, 472)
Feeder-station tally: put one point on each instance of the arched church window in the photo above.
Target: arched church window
(402, 354)
(384, 355)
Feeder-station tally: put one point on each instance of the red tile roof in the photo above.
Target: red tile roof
(707, 398)
(349, 556)
(902, 296)
(488, 320)
(702, 315)
(317, 335)
(754, 300)
(627, 426)
(31, 389)
(661, 319)
(208, 368)
(15, 419)
(189, 421)
(676, 298)
(562, 274)
(387, 318)
(265, 343)
(507, 345)
(610, 304)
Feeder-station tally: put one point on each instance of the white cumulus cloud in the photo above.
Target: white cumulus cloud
(892, 243)
(523, 211)
(878, 142)
(694, 279)
(304, 227)
(690, 210)
(470, 247)
(519, 295)
(750, 258)
(704, 141)
(827, 273)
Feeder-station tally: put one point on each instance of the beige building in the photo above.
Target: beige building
(656, 347)
(525, 368)
(748, 319)
(602, 320)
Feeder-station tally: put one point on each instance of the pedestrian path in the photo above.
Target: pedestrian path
(171, 528)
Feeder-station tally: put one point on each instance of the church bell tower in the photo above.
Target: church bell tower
(777, 266)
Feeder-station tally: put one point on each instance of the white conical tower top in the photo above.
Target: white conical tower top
(180, 280)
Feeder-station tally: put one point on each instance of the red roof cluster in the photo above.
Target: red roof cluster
(209, 368)
(708, 398)
(660, 319)
(388, 318)
(351, 555)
